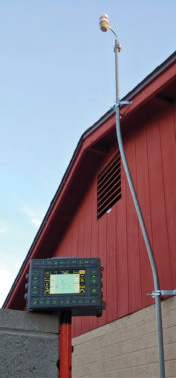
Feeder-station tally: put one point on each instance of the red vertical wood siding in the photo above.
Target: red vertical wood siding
(143, 187)
(158, 205)
(116, 237)
(134, 274)
(168, 148)
(122, 279)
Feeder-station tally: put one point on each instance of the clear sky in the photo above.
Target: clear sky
(56, 80)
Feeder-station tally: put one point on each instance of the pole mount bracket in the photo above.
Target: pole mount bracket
(121, 103)
(158, 293)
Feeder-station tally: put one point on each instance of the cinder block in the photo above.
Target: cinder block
(128, 347)
(29, 345)
(32, 321)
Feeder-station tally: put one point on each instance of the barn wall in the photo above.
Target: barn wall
(116, 237)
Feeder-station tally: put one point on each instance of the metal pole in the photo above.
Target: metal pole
(141, 221)
(65, 345)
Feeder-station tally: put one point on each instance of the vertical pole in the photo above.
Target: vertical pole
(65, 345)
(141, 222)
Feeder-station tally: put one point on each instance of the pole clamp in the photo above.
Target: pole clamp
(158, 293)
(117, 46)
(120, 103)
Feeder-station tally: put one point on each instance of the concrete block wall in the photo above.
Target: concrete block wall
(127, 348)
(29, 345)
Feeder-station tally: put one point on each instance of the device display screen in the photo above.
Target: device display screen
(64, 282)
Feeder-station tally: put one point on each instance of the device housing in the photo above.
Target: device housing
(65, 283)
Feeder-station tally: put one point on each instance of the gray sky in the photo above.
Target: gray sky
(56, 80)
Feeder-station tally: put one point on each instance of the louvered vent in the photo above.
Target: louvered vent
(109, 186)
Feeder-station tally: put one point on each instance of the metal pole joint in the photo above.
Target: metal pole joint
(117, 46)
(158, 293)
(121, 103)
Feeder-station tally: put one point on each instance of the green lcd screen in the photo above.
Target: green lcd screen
(64, 282)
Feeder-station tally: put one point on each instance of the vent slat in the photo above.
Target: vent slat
(107, 201)
(105, 184)
(109, 169)
(116, 185)
(116, 157)
(109, 185)
(113, 201)
(109, 174)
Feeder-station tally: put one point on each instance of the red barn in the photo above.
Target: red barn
(92, 213)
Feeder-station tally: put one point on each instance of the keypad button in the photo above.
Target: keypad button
(35, 302)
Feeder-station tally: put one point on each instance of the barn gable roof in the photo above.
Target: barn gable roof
(156, 91)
